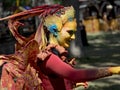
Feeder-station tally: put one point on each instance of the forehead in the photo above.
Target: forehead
(69, 13)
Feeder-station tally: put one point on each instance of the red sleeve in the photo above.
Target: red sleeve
(56, 65)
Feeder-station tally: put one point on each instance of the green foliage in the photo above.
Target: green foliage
(57, 1)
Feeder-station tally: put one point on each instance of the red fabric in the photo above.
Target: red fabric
(59, 75)
(57, 66)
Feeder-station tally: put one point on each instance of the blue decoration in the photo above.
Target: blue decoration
(27, 7)
(53, 29)
(70, 19)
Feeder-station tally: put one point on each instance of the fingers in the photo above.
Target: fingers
(115, 70)
(43, 55)
(50, 46)
(85, 84)
(72, 62)
(60, 49)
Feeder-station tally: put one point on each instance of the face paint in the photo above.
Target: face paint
(53, 30)
(67, 33)
(53, 22)
(62, 27)
(69, 13)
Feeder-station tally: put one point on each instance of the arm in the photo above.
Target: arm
(56, 65)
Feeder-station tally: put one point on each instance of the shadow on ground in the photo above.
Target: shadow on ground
(104, 50)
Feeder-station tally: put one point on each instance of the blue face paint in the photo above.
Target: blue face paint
(70, 19)
(53, 29)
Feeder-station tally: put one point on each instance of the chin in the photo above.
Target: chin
(65, 45)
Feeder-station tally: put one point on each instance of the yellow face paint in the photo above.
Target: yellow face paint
(65, 24)
(69, 13)
(53, 20)
(67, 33)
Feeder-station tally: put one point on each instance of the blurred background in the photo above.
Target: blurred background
(98, 33)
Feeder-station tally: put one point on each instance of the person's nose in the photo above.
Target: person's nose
(73, 36)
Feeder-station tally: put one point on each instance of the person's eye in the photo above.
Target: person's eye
(71, 32)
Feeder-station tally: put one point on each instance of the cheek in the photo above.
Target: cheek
(64, 33)
(63, 36)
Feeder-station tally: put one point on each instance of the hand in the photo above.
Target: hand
(60, 49)
(72, 62)
(43, 55)
(50, 46)
(85, 84)
(115, 70)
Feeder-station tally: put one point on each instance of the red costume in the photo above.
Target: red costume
(58, 75)
(30, 68)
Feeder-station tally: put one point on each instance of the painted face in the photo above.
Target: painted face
(62, 27)
(67, 33)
